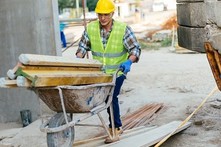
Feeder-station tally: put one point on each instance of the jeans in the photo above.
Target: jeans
(115, 103)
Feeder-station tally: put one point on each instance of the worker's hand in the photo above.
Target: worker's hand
(126, 66)
(79, 55)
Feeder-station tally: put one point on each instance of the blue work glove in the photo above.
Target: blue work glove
(126, 66)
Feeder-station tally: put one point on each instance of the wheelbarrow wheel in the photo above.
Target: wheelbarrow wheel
(63, 138)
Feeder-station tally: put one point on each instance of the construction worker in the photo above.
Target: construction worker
(62, 35)
(114, 44)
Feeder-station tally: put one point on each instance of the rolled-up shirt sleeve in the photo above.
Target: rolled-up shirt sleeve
(84, 44)
(131, 44)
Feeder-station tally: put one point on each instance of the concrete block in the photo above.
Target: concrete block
(192, 38)
(199, 14)
(217, 11)
(212, 11)
(215, 41)
(191, 14)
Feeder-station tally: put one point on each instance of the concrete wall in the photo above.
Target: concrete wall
(26, 26)
(199, 22)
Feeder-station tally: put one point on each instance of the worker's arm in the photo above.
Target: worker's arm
(133, 48)
(131, 44)
(133, 58)
(83, 46)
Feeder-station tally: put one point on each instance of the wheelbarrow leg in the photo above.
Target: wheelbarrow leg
(112, 120)
(105, 126)
(112, 137)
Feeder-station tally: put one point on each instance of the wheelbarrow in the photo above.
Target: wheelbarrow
(67, 100)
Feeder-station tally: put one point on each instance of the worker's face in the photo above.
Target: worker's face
(105, 19)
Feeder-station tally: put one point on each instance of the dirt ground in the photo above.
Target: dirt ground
(179, 81)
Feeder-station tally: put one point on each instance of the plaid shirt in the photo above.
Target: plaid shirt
(129, 41)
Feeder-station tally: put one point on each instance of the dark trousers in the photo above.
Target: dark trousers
(116, 108)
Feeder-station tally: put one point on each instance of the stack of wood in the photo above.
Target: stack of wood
(142, 116)
(34, 70)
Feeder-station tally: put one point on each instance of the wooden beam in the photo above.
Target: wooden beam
(214, 65)
(59, 72)
(217, 59)
(70, 79)
(7, 83)
(23, 82)
(34, 59)
(11, 72)
(58, 68)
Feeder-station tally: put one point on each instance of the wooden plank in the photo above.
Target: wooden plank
(31, 72)
(20, 72)
(6, 83)
(70, 79)
(217, 59)
(98, 141)
(151, 137)
(42, 78)
(213, 64)
(59, 72)
(35, 59)
(11, 72)
(56, 68)
(23, 82)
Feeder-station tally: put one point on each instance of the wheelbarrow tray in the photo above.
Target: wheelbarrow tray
(77, 99)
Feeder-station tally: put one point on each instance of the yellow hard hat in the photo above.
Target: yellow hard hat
(105, 6)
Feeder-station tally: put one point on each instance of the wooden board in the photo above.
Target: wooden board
(44, 78)
(56, 68)
(23, 82)
(34, 59)
(71, 79)
(214, 60)
(151, 137)
(7, 83)
(33, 70)
(11, 72)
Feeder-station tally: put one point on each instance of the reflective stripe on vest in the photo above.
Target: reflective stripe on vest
(109, 55)
(114, 53)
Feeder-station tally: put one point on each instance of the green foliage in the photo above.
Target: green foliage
(166, 42)
(91, 4)
(64, 4)
(149, 45)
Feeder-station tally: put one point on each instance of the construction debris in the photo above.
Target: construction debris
(43, 71)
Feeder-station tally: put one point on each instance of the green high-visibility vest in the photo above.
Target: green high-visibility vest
(114, 54)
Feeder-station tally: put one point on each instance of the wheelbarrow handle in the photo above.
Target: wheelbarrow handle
(115, 74)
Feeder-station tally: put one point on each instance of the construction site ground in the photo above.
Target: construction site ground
(181, 81)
